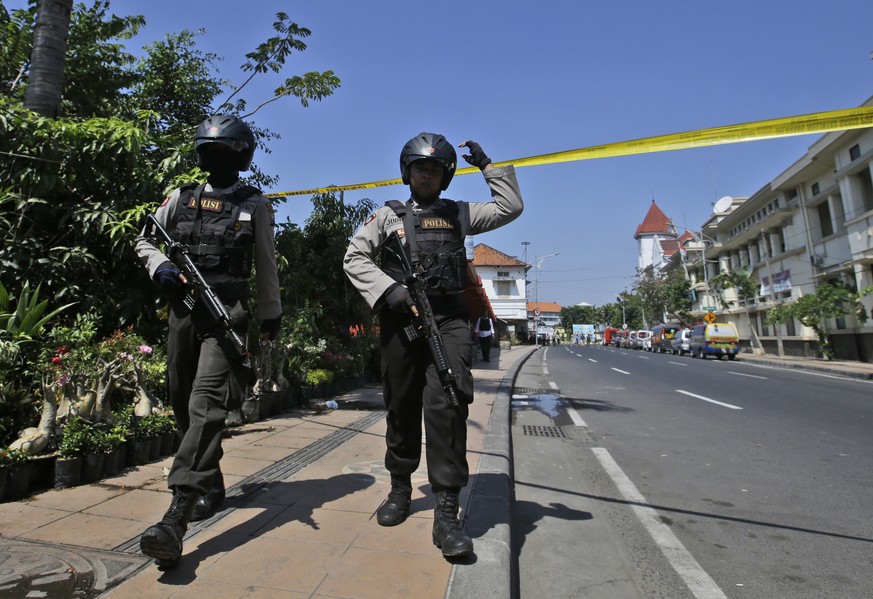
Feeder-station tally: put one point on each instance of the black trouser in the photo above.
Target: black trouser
(411, 385)
(485, 346)
(206, 378)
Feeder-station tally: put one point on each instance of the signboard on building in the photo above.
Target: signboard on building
(781, 282)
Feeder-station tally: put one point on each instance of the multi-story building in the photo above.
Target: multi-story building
(812, 224)
(503, 279)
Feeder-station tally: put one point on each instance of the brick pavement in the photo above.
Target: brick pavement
(303, 488)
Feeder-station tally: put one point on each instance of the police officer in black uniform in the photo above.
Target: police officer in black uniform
(433, 231)
(227, 227)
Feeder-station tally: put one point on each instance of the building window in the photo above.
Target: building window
(866, 189)
(765, 328)
(502, 274)
(505, 288)
(824, 217)
(790, 329)
(815, 189)
(855, 152)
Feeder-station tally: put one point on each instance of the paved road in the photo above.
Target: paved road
(756, 480)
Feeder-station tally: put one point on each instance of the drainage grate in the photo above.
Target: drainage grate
(532, 430)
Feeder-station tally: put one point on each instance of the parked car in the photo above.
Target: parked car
(644, 340)
(662, 336)
(631, 341)
(716, 339)
(681, 342)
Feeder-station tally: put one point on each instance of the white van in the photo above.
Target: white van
(681, 342)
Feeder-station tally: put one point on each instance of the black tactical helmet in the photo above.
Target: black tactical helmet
(230, 131)
(431, 146)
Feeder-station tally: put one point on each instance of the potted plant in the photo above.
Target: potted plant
(143, 435)
(97, 445)
(164, 427)
(15, 465)
(116, 450)
(68, 466)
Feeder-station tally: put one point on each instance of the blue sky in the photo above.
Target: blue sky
(527, 78)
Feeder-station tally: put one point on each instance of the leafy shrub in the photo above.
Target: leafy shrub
(74, 439)
(318, 376)
(11, 457)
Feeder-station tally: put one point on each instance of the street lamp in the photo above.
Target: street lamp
(538, 263)
(623, 315)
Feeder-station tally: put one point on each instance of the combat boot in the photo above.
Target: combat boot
(447, 532)
(395, 509)
(208, 504)
(163, 541)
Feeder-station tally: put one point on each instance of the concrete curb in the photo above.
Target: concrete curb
(488, 513)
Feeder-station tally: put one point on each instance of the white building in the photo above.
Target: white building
(812, 224)
(503, 278)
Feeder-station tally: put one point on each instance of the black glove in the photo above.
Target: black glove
(271, 327)
(476, 157)
(398, 299)
(167, 276)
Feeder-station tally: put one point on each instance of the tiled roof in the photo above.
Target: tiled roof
(543, 306)
(669, 247)
(484, 255)
(654, 223)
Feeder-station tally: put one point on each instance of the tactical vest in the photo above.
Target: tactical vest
(219, 233)
(435, 241)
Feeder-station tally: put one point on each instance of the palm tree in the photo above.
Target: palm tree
(46, 80)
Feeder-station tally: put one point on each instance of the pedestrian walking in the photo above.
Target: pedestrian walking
(433, 231)
(485, 331)
(227, 227)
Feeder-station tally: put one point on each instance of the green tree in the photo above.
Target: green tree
(571, 315)
(77, 188)
(833, 300)
(746, 286)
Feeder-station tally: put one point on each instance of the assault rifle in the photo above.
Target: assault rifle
(423, 324)
(199, 287)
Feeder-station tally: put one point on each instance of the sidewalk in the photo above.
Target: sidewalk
(303, 488)
(858, 370)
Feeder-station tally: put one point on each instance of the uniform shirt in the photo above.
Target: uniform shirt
(267, 275)
(484, 332)
(360, 259)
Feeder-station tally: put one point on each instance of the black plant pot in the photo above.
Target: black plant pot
(68, 472)
(141, 450)
(18, 483)
(92, 467)
(112, 462)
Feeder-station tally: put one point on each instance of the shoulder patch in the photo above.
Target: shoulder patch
(166, 201)
(370, 219)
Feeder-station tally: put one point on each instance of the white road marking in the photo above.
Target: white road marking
(590, 360)
(751, 376)
(574, 416)
(621, 371)
(644, 357)
(726, 405)
(553, 385)
(694, 576)
(678, 363)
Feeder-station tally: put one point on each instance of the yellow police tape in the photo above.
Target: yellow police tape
(819, 122)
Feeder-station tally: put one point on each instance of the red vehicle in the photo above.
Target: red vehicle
(610, 335)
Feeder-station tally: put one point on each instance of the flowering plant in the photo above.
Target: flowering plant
(11, 457)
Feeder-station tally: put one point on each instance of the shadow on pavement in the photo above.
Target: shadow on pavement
(276, 498)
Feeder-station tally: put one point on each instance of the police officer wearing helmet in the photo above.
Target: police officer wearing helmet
(433, 231)
(228, 228)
